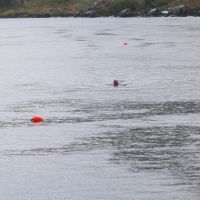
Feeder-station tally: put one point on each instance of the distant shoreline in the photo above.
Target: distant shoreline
(79, 16)
(100, 8)
(83, 17)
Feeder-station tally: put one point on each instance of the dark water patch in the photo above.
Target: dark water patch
(45, 104)
(174, 149)
(122, 110)
(64, 33)
(65, 111)
(136, 39)
(152, 147)
(106, 34)
(13, 37)
(81, 39)
(136, 143)
(61, 31)
(173, 26)
(66, 36)
(147, 44)
(93, 45)
(168, 42)
(15, 123)
(191, 28)
(194, 36)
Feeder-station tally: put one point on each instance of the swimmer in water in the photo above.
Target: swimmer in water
(116, 83)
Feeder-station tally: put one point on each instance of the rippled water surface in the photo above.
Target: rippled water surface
(138, 141)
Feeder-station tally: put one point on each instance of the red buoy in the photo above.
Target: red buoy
(37, 119)
(116, 83)
(125, 43)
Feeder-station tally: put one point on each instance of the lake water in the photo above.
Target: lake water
(138, 141)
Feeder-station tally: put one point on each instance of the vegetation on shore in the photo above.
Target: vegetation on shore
(48, 8)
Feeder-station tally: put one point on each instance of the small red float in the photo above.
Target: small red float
(125, 43)
(116, 83)
(37, 119)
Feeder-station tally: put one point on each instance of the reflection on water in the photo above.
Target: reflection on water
(77, 111)
(143, 149)
(151, 149)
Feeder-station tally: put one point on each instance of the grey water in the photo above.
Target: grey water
(138, 141)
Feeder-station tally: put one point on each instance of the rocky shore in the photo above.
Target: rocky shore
(177, 11)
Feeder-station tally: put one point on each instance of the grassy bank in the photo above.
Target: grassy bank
(48, 8)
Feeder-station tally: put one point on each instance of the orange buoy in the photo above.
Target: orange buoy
(37, 119)
(116, 83)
